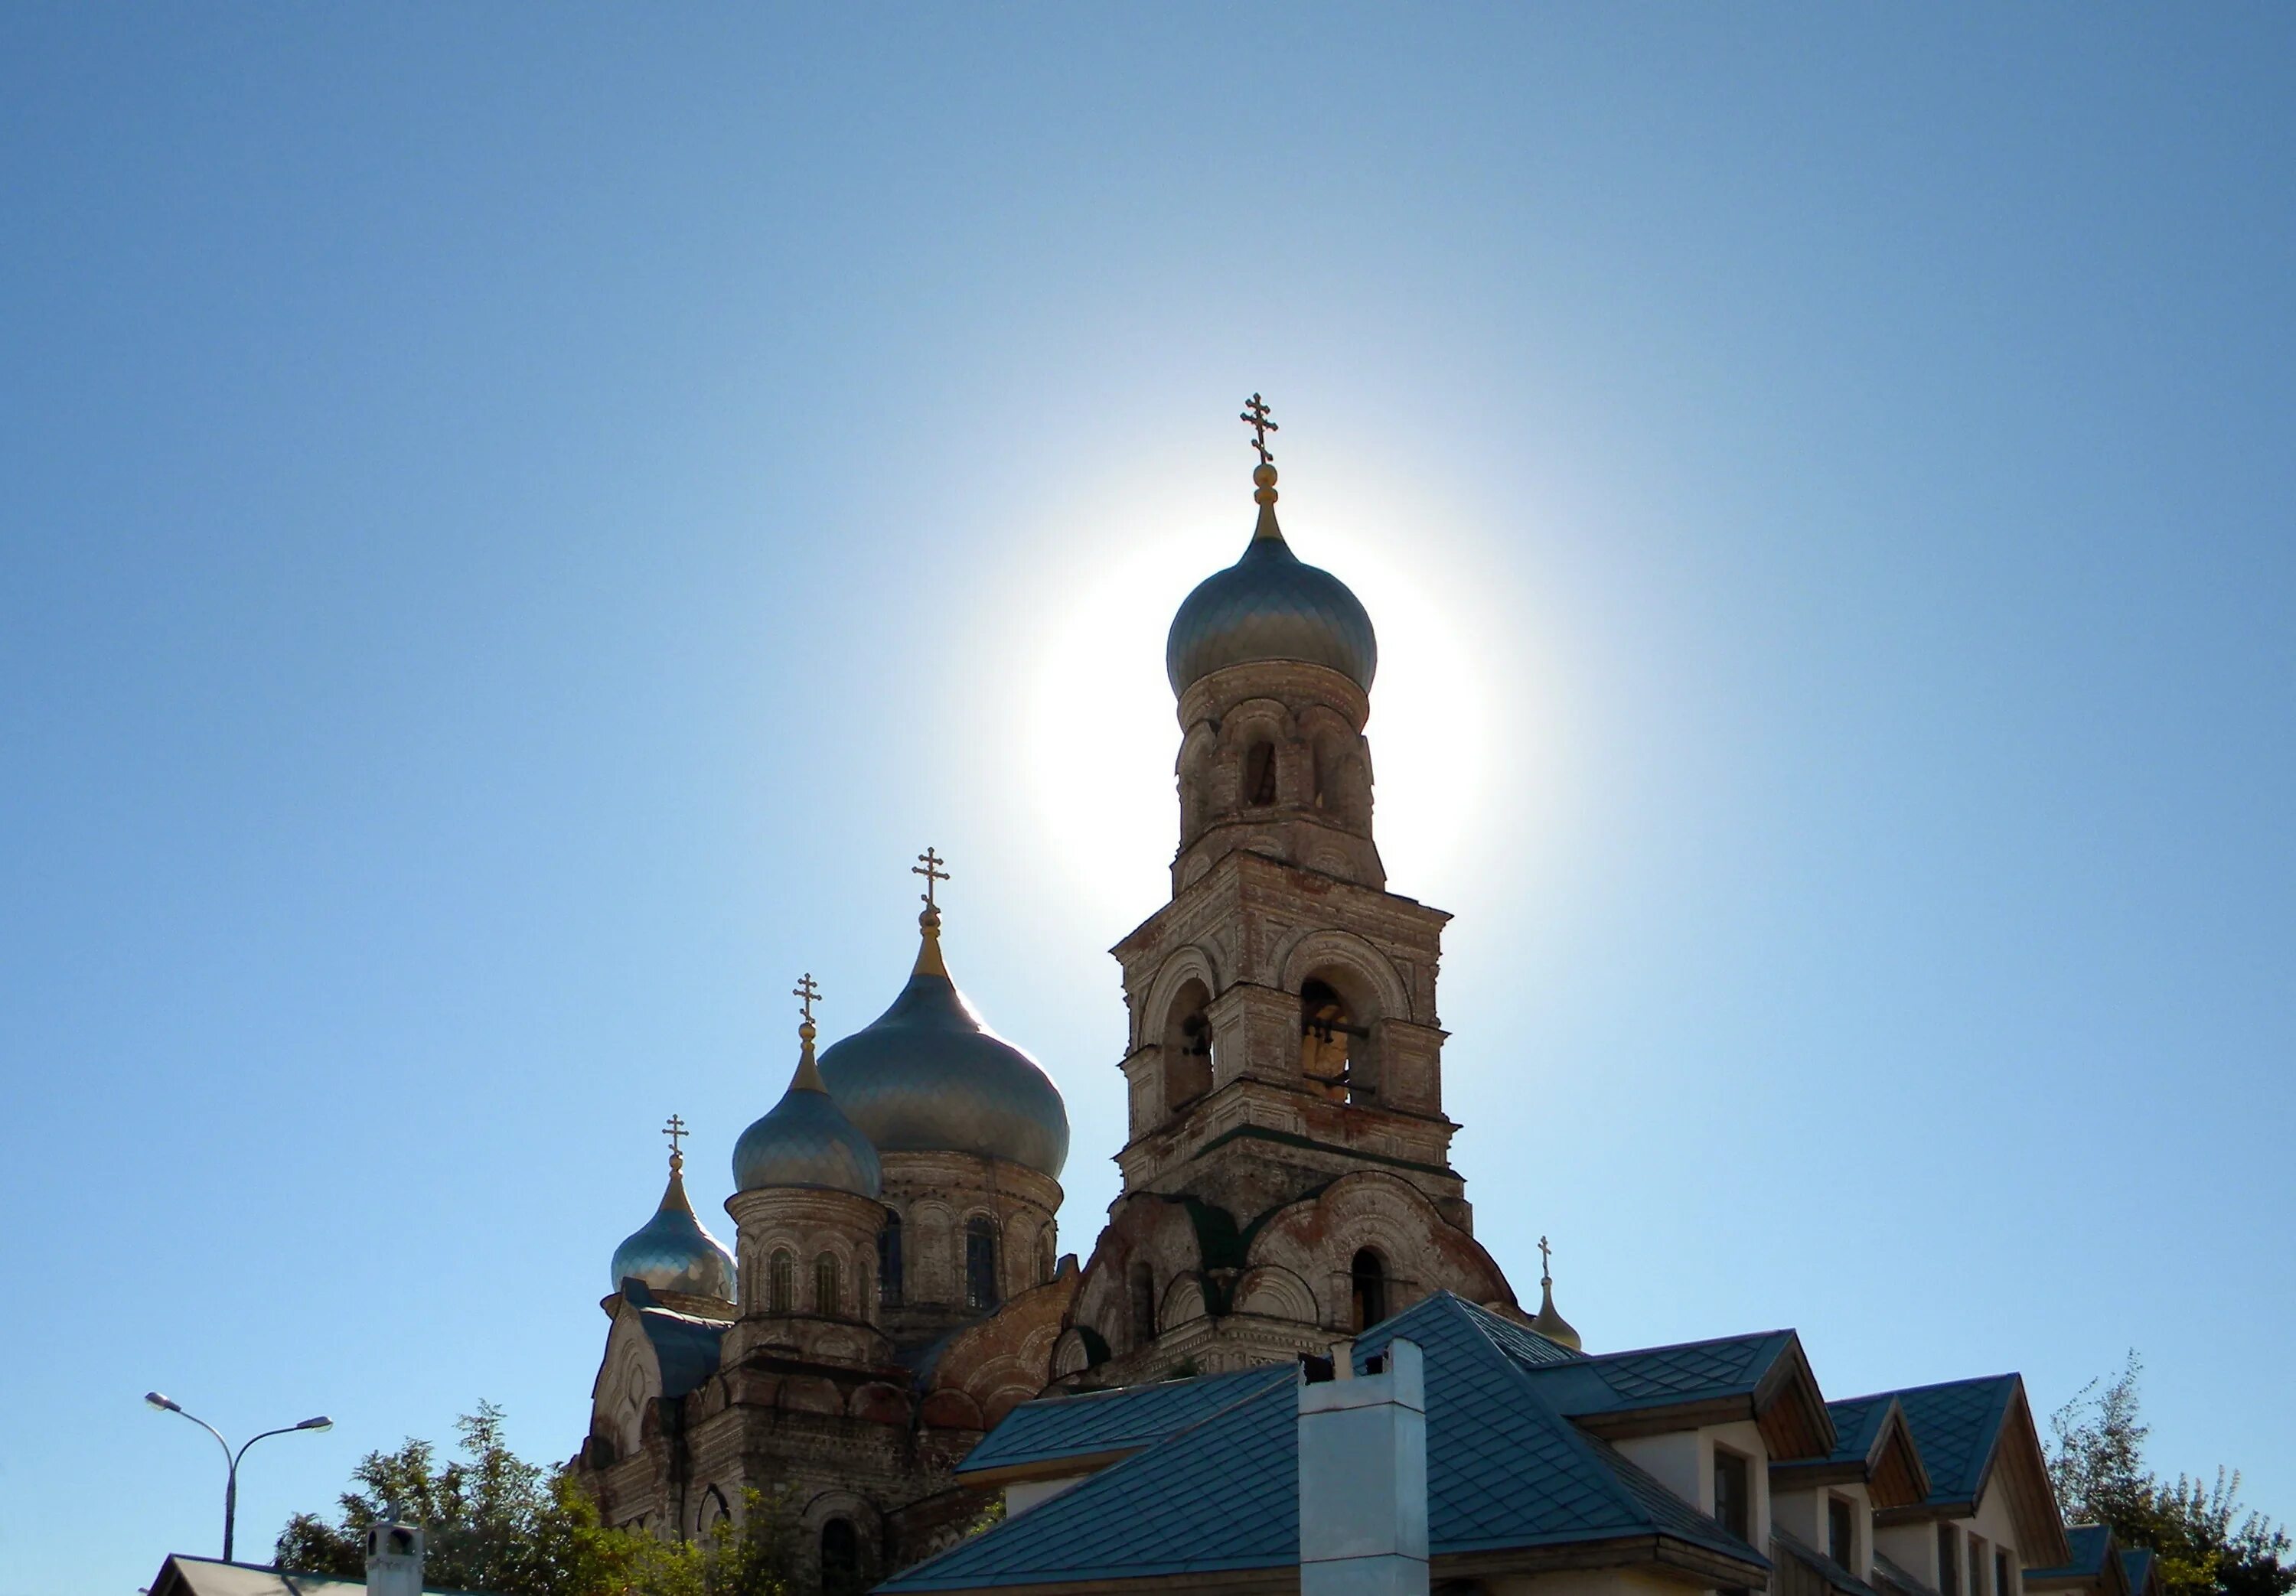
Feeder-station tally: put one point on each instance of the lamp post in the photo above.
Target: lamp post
(231, 1459)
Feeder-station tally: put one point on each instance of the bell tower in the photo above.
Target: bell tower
(1284, 1057)
(1284, 995)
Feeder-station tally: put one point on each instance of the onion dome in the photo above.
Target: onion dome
(671, 1252)
(1269, 605)
(1549, 1323)
(806, 1140)
(927, 1076)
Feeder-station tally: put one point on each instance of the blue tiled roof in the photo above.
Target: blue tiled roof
(1956, 1427)
(1662, 1376)
(1107, 1421)
(2137, 1563)
(1856, 1423)
(1503, 1470)
(2089, 1544)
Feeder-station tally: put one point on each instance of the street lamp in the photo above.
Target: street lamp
(231, 1459)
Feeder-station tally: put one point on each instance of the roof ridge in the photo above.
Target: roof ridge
(1638, 1352)
(1576, 1439)
(1935, 1384)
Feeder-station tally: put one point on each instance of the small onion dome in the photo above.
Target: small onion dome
(1549, 1323)
(1269, 605)
(806, 1140)
(671, 1252)
(927, 1076)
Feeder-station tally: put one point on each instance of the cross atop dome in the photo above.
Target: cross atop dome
(1256, 417)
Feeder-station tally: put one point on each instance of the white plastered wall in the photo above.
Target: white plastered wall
(1683, 1460)
(1803, 1513)
(1914, 1547)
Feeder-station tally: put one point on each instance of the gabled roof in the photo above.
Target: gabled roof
(2142, 1570)
(1968, 1433)
(1054, 1436)
(1762, 1377)
(182, 1575)
(2096, 1564)
(1217, 1500)
(1874, 1444)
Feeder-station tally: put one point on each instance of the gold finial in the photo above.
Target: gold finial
(928, 865)
(806, 991)
(1547, 1322)
(808, 1075)
(1263, 475)
(673, 1195)
(1255, 416)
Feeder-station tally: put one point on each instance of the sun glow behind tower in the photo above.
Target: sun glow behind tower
(1097, 716)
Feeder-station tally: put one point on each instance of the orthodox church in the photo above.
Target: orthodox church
(895, 1285)
(1286, 1363)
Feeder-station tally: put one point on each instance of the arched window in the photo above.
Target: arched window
(889, 1260)
(841, 1558)
(828, 1301)
(1144, 1303)
(980, 1262)
(1332, 1054)
(714, 1512)
(1368, 1279)
(1259, 774)
(1048, 1265)
(1187, 1047)
(780, 1282)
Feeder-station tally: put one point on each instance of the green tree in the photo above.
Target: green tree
(492, 1521)
(2207, 1543)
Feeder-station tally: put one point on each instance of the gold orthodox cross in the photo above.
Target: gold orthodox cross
(928, 865)
(1543, 1257)
(1255, 416)
(806, 991)
(676, 1132)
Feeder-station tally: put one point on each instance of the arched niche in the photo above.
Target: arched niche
(1187, 1045)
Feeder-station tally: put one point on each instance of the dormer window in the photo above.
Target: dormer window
(1841, 1532)
(1948, 1562)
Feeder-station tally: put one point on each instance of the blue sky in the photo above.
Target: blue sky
(518, 524)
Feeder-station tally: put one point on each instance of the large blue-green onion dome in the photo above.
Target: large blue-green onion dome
(928, 1076)
(1270, 605)
(806, 1140)
(672, 1252)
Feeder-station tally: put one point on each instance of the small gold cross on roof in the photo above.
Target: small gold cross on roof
(676, 1132)
(806, 991)
(1545, 1252)
(928, 865)
(1255, 416)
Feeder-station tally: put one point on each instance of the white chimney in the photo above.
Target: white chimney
(1363, 1474)
(394, 1555)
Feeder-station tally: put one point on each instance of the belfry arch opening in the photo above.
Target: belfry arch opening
(1336, 1055)
(1187, 1043)
(1367, 1289)
(1259, 787)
